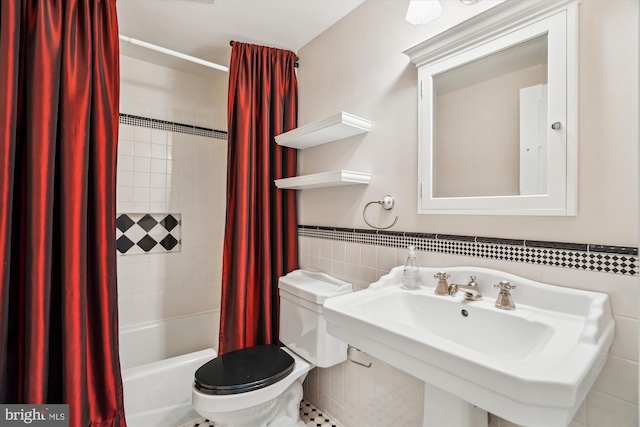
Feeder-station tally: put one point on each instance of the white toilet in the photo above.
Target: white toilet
(262, 385)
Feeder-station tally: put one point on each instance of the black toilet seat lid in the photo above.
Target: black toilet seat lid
(244, 370)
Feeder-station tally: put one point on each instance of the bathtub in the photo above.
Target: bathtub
(158, 361)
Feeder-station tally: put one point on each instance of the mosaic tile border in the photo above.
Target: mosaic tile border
(582, 256)
(140, 233)
(130, 119)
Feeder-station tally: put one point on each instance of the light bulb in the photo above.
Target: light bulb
(423, 11)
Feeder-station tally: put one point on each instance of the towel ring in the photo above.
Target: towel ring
(387, 203)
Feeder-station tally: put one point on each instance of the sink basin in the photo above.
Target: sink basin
(519, 337)
(532, 366)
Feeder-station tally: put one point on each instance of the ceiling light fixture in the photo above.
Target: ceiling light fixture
(469, 2)
(423, 11)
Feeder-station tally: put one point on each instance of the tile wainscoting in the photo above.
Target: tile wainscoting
(385, 396)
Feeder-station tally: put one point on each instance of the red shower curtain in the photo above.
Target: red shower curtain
(59, 94)
(261, 242)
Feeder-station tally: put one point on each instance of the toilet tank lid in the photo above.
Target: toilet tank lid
(313, 286)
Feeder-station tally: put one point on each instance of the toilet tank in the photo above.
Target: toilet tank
(303, 328)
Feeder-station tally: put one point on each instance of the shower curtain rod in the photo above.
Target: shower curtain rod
(174, 53)
(295, 64)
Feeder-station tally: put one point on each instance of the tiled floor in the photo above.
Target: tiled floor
(313, 417)
(309, 414)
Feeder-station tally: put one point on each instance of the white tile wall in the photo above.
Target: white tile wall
(153, 91)
(612, 402)
(357, 396)
(162, 172)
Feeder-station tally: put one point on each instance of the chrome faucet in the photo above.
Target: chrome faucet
(504, 300)
(471, 290)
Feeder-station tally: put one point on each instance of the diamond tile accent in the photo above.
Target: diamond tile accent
(148, 233)
(123, 244)
(147, 243)
(123, 223)
(169, 242)
(147, 222)
(169, 222)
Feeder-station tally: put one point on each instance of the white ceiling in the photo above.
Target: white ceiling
(203, 29)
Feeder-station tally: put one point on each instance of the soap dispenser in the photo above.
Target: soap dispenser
(411, 271)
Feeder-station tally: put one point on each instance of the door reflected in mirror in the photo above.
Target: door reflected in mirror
(490, 124)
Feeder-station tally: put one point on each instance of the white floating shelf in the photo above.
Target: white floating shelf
(338, 126)
(324, 179)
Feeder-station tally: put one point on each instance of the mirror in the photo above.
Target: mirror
(492, 110)
(497, 112)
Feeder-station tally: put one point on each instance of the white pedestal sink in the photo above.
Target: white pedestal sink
(532, 365)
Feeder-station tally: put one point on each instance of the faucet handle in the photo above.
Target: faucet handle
(441, 275)
(442, 288)
(504, 285)
(504, 300)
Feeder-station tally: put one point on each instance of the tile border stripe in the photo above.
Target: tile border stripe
(591, 257)
(130, 119)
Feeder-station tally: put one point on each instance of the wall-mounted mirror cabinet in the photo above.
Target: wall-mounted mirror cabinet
(497, 107)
